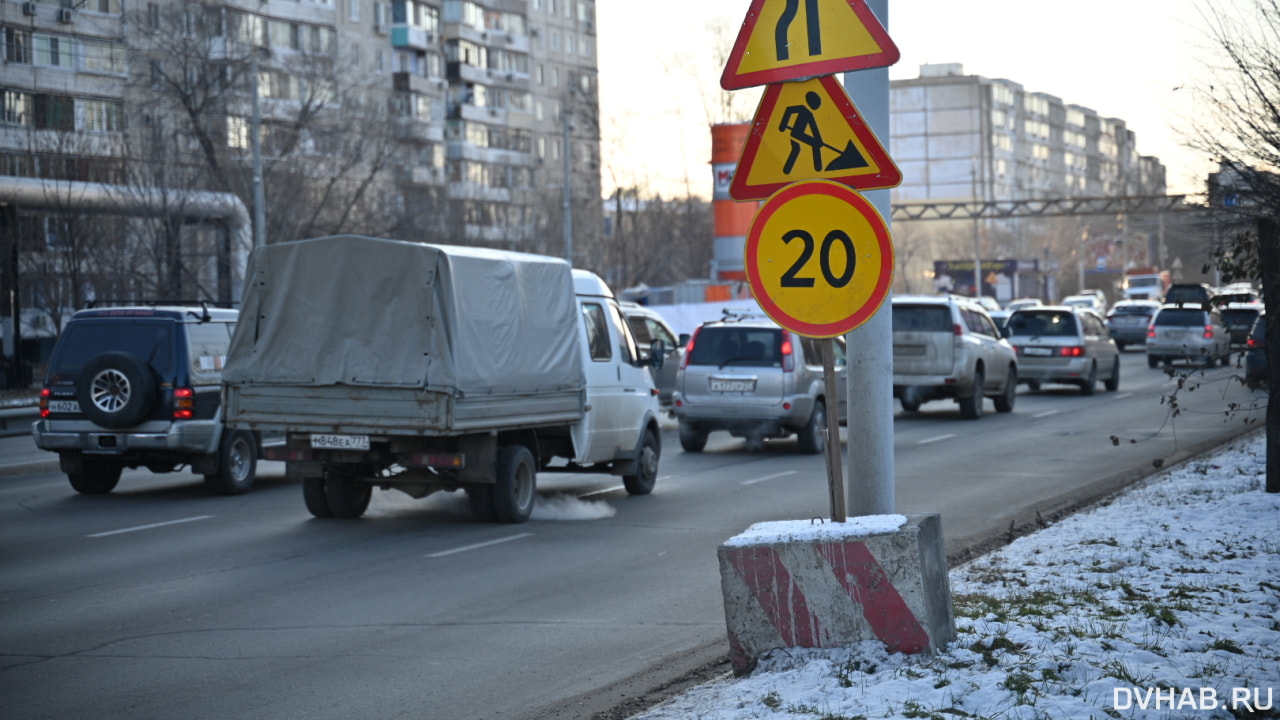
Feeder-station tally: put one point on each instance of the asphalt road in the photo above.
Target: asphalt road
(159, 601)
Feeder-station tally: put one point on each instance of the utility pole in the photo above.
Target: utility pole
(255, 144)
(567, 207)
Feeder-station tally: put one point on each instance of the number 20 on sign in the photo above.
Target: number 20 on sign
(819, 258)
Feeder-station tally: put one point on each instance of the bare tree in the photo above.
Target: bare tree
(1245, 96)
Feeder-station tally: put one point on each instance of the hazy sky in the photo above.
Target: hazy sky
(1122, 58)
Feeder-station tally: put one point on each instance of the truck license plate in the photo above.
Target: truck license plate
(733, 385)
(340, 442)
(70, 407)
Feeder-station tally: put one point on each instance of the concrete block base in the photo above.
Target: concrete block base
(792, 584)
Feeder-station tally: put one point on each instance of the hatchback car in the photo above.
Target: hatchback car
(1239, 318)
(949, 348)
(649, 325)
(1128, 321)
(1255, 355)
(1191, 332)
(1059, 344)
(752, 378)
(141, 386)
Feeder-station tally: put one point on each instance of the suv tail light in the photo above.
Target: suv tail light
(184, 404)
(1151, 331)
(1073, 351)
(688, 349)
(957, 330)
(1208, 332)
(1251, 344)
(788, 353)
(44, 399)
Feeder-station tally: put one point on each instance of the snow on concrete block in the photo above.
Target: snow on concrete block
(803, 584)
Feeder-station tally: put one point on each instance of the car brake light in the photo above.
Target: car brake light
(1251, 344)
(957, 330)
(44, 400)
(688, 349)
(1208, 332)
(1074, 351)
(1151, 331)
(184, 404)
(788, 358)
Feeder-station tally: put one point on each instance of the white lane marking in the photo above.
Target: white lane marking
(1045, 414)
(149, 527)
(769, 477)
(604, 490)
(940, 438)
(1121, 396)
(477, 546)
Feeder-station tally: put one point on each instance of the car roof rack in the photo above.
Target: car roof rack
(204, 305)
(741, 314)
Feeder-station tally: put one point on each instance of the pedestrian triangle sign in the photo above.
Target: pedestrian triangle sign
(810, 131)
(793, 39)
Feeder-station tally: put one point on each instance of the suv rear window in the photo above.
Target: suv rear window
(151, 342)
(921, 318)
(1181, 318)
(737, 346)
(1050, 323)
(1239, 317)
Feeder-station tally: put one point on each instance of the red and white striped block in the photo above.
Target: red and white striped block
(831, 593)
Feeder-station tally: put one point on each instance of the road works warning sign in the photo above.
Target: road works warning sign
(791, 39)
(810, 131)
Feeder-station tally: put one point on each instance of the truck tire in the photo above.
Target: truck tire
(97, 478)
(1005, 400)
(812, 440)
(692, 437)
(116, 390)
(516, 488)
(237, 464)
(347, 498)
(971, 407)
(646, 467)
(313, 494)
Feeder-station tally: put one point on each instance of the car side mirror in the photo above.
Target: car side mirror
(657, 354)
(684, 339)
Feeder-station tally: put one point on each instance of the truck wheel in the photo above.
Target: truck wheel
(812, 441)
(1112, 383)
(692, 437)
(646, 467)
(910, 399)
(1005, 400)
(97, 478)
(314, 496)
(516, 488)
(237, 464)
(480, 498)
(116, 390)
(347, 498)
(971, 407)
(1090, 383)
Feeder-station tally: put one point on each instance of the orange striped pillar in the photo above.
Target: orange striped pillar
(731, 219)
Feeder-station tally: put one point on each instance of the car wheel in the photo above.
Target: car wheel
(692, 437)
(910, 399)
(237, 464)
(811, 437)
(116, 390)
(516, 488)
(1089, 384)
(97, 478)
(313, 494)
(347, 498)
(1005, 400)
(1153, 362)
(971, 407)
(646, 467)
(1112, 383)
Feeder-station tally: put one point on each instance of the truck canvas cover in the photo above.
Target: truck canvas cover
(367, 312)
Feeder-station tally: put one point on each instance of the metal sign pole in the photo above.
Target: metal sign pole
(835, 473)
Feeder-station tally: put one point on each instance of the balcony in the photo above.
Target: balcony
(407, 36)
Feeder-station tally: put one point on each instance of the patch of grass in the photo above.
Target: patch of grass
(1227, 645)
(1160, 614)
(845, 671)
(1118, 670)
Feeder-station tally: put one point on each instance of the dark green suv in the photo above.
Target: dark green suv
(139, 386)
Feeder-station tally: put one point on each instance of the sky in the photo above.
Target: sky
(1085, 618)
(1136, 60)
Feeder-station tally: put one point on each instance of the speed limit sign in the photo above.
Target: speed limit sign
(819, 258)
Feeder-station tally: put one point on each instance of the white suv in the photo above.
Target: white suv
(949, 348)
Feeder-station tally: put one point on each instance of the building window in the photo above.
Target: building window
(55, 112)
(17, 46)
(353, 10)
(53, 51)
(99, 116)
(15, 107)
(102, 56)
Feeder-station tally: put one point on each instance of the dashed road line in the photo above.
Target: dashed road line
(477, 546)
(930, 441)
(152, 526)
(769, 477)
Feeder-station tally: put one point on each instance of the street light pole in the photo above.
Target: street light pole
(255, 144)
(567, 207)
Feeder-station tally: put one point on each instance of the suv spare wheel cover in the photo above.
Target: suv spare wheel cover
(116, 390)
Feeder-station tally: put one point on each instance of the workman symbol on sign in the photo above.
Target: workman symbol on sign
(800, 122)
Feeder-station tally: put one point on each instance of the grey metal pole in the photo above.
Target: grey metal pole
(870, 479)
(568, 193)
(255, 144)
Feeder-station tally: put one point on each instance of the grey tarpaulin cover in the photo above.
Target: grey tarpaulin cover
(352, 310)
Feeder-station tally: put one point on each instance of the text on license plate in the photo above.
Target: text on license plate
(64, 406)
(340, 442)
(733, 385)
(1037, 351)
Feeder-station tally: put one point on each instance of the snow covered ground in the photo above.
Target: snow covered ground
(1163, 603)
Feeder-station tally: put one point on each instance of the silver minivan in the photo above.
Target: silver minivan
(1064, 345)
(750, 377)
(1188, 331)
